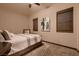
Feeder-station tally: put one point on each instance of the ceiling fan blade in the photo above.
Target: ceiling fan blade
(37, 4)
(29, 5)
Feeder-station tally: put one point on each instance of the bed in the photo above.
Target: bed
(22, 43)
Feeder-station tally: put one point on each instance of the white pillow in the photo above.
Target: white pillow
(9, 33)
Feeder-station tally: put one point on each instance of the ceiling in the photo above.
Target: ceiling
(23, 7)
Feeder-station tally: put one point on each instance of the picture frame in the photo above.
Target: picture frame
(45, 24)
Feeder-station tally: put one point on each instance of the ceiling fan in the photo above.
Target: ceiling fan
(30, 5)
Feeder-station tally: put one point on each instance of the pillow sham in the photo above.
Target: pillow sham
(5, 34)
(1, 38)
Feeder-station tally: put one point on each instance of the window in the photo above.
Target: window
(65, 20)
(35, 24)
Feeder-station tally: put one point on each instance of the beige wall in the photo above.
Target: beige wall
(68, 39)
(77, 26)
(12, 21)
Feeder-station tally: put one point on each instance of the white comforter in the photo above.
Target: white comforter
(32, 37)
(20, 41)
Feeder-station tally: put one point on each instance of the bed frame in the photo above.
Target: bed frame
(27, 50)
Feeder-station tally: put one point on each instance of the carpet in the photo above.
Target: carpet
(52, 50)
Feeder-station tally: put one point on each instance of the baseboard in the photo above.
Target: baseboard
(61, 45)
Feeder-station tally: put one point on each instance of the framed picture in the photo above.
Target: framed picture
(26, 31)
(45, 24)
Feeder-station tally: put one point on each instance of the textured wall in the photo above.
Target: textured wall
(12, 21)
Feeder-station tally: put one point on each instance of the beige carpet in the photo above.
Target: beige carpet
(52, 50)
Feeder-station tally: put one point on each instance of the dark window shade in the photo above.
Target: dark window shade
(65, 20)
(35, 24)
